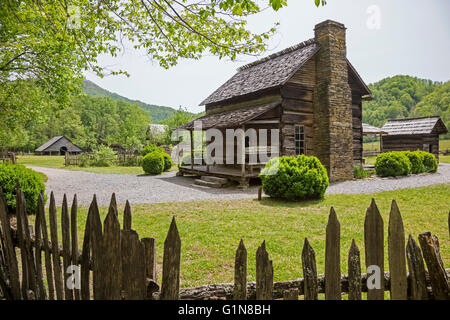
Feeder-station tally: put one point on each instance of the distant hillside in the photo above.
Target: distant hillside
(407, 97)
(157, 113)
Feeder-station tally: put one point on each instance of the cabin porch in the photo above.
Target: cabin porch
(251, 142)
(227, 172)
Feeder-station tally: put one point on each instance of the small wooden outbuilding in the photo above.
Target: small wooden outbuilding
(58, 145)
(413, 134)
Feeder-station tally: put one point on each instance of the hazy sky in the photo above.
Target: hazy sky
(412, 38)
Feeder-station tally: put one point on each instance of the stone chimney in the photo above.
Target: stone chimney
(333, 135)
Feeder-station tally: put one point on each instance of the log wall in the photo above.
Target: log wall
(411, 142)
(297, 102)
(298, 108)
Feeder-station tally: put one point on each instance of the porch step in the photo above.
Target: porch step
(214, 179)
(204, 183)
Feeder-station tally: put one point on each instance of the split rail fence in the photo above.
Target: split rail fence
(116, 264)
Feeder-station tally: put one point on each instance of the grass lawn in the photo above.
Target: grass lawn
(375, 145)
(210, 230)
(58, 162)
(444, 159)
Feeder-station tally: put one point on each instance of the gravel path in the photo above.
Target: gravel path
(169, 188)
(377, 184)
(134, 188)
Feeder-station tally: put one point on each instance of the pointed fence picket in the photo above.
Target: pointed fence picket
(114, 263)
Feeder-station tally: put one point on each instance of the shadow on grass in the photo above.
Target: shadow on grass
(272, 202)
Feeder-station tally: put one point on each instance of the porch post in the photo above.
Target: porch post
(243, 151)
(381, 143)
(192, 148)
(178, 153)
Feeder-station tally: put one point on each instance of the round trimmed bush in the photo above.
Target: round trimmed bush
(416, 160)
(168, 163)
(392, 164)
(151, 148)
(30, 183)
(294, 178)
(429, 161)
(153, 163)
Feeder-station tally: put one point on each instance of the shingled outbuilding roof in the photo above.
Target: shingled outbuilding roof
(368, 129)
(49, 144)
(230, 119)
(425, 125)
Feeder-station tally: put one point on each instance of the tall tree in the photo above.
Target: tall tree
(52, 41)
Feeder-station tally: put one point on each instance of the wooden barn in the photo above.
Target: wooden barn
(58, 145)
(413, 134)
(309, 92)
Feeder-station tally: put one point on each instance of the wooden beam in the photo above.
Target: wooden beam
(381, 142)
(243, 151)
(192, 148)
(263, 121)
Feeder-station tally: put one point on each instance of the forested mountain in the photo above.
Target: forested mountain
(157, 113)
(97, 115)
(406, 97)
(86, 121)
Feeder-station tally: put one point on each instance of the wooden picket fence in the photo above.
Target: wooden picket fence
(115, 264)
(128, 159)
(7, 157)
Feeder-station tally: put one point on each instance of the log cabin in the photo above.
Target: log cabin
(413, 134)
(310, 92)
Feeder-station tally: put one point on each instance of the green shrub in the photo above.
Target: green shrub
(31, 183)
(294, 178)
(151, 148)
(129, 160)
(153, 163)
(360, 173)
(429, 161)
(103, 157)
(168, 163)
(416, 160)
(186, 160)
(84, 160)
(394, 163)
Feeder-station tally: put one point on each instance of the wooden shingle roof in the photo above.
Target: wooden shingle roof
(425, 125)
(271, 72)
(52, 141)
(368, 129)
(231, 119)
(48, 143)
(265, 73)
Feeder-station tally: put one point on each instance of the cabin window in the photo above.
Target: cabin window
(426, 147)
(300, 145)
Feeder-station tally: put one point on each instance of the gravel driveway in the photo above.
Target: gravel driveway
(169, 188)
